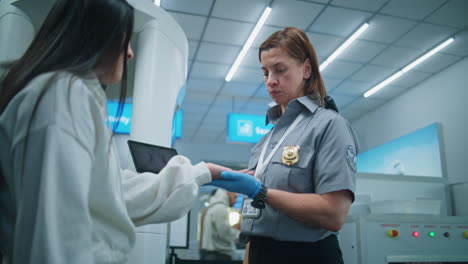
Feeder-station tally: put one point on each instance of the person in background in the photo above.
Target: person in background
(304, 167)
(217, 236)
(63, 196)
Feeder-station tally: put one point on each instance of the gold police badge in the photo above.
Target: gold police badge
(290, 155)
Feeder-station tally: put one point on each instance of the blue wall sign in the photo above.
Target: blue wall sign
(246, 128)
(125, 120)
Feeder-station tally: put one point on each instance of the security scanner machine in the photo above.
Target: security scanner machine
(403, 219)
(157, 75)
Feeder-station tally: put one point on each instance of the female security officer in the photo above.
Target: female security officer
(305, 167)
(63, 197)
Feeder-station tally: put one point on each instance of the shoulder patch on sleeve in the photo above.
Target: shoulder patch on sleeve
(350, 155)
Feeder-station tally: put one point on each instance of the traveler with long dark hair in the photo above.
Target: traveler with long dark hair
(63, 197)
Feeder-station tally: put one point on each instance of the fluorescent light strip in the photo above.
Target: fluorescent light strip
(407, 68)
(157, 2)
(248, 44)
(344, 46)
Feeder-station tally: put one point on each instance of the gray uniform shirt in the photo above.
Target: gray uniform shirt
(327, 163)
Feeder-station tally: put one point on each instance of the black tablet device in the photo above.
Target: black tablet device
(149, 158)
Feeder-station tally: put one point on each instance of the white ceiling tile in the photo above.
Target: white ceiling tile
(354, 88)
(369, 103)
(437, 63)
(199, 7)
(263, 94)
(188, 129)
(244, 10)
(453, 13)
(388, 92)
(340, 69)
(324, 44)
(414, 9)
(318, 1)
(366, 5)
(342, 100)
(352, 114)
(217, 117)
(203, 85)
(387, 29)
(205, 137)
(339, 21)
(459, 46)
(411, 79)
(192, 48)
(191, 126)
(426, 36)
(259, 100)
(217, 53)
(194, 106)
(286, 13)
(251, 59)
(254, 109)
(330, 83)
(192, 25)
(231, 100)
(219, 112)
(264, 33)
(248, 75)
(239, 89)
(396, 57)
(228, 32)
(192, 117)
(209, 70)
(361, 51)
(198, 97)
(372, 74)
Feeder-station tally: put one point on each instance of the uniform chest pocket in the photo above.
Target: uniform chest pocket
(299, 174)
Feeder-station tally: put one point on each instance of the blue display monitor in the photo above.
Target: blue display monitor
(246, 128)
(416, 154)
(125, 120)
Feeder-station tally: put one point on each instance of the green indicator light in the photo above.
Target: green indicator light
(431, 234)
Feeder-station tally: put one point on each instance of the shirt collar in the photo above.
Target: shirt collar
(295, 105)
(93, 84)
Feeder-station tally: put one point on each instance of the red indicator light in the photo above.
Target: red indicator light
(393, 233)
(416, 234)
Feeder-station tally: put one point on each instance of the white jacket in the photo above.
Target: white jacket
(72, 203)
(218, 235)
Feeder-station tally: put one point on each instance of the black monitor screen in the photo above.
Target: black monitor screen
(150, 158)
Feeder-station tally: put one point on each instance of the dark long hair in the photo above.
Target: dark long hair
(77, 36)
(296, 43)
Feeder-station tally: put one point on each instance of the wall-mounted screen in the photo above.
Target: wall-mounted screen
(415, 154)
(246, 128)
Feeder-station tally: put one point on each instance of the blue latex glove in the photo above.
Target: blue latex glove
(238, 182)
